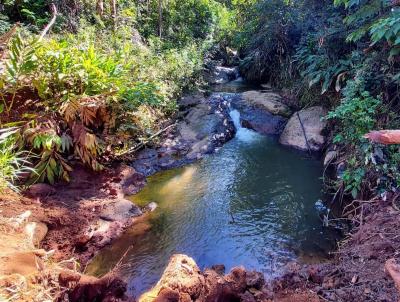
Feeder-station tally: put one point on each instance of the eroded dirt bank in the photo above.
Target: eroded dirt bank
(62, 227)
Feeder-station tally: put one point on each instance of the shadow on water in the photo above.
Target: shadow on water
(252, 203)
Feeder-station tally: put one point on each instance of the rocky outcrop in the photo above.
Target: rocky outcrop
(221, 74)
(304, 131)
(204, 127)
(258, 118)
(268, 101)
(183, 281)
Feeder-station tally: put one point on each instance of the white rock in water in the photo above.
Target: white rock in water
(151, 207)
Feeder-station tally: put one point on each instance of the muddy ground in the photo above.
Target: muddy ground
(82, 216)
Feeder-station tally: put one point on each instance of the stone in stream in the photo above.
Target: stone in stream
(258, 119)
(150, 207)
(268, 101)
(313, 123)
(182, 280)
(204, 127)
(221, 74)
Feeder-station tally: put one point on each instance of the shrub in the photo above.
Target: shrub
(13, 162)
(82, 85)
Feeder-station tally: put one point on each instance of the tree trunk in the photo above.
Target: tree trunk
(160, 18)
(113, 7)
(100, 8)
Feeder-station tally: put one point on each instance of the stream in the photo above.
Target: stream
(252, 203)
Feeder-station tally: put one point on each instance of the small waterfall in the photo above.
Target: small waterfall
(243, 134)
(235, 116)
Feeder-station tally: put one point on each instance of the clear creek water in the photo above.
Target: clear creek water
(252, 203)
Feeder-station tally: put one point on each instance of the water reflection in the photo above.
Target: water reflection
(250, 204)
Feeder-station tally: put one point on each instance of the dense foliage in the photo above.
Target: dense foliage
(343, 54)
(132, 59)
(106, 86)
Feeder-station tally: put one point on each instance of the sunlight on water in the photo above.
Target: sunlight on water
(251, 203)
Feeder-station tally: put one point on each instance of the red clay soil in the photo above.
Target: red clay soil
(357, 272)
(71, 209)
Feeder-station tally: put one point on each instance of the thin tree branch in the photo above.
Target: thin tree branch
(53, 9)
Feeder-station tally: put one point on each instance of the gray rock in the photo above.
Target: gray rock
(269, 101)
(199, 123)
(120, 210)
(191, 100)
(221, 75)
(259, 120)
(313, 123)
(262, 122)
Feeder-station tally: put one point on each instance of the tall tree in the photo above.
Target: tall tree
(160, 18)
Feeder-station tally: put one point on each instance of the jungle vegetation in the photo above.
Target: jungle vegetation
(132, 59)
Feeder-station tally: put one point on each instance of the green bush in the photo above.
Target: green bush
(83, 83)
(13, 162)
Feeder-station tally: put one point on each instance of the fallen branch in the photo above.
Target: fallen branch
(144, 143)
(304, 132)
(386, 137)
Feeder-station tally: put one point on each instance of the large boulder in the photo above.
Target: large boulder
(268, 101)
(312, 120)
(183, 281)
(221, 74)
(258, 119)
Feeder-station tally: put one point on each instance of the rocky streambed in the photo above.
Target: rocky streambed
(242, 128)
(250, 128)
(206, 125)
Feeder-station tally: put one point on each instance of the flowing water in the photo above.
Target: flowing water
(252, 203)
